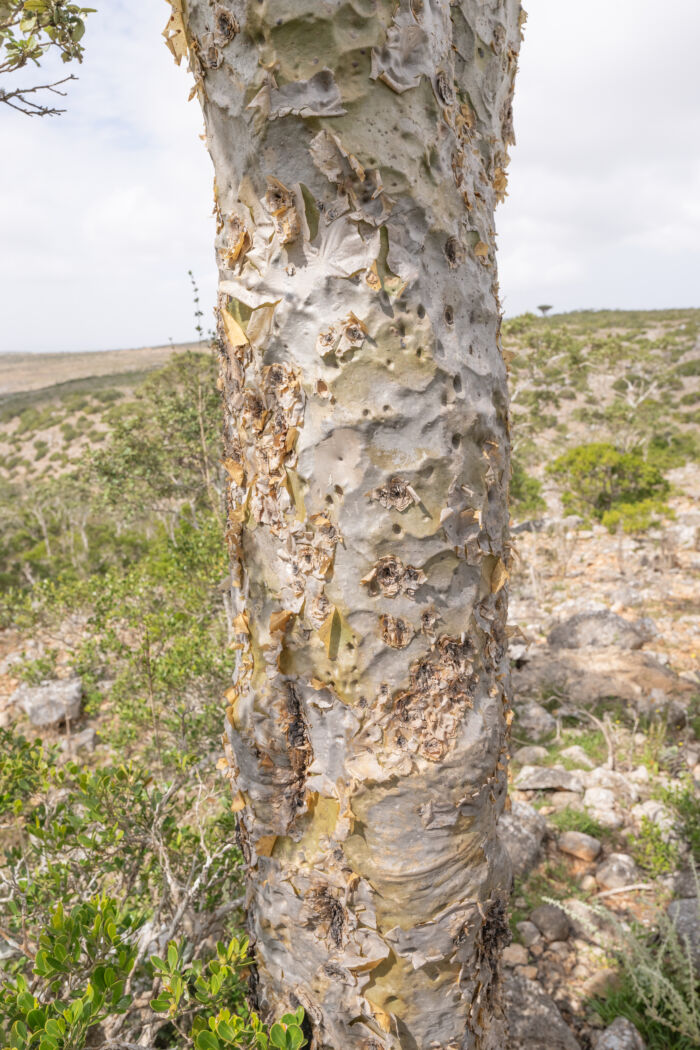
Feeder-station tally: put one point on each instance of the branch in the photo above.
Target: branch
(34, 109)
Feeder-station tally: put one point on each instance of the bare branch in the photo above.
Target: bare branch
(17, 99)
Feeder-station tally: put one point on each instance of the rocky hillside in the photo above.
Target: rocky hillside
(114, 622)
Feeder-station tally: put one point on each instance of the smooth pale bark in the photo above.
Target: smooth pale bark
(359, 149)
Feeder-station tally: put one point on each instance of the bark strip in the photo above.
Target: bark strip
(359, 148)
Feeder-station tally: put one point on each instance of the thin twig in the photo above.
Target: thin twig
(626, 889)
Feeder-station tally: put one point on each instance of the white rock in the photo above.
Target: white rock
(50, 703)
(618, 870)
(599, 798)
(656, 813)
(620, 1035)
(575, 753)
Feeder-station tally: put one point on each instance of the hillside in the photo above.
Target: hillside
(114, 584)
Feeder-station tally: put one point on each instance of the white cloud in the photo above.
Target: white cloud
(605, 178)
(104, 209)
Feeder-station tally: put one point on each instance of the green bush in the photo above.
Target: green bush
(598, 480)
(141, 867)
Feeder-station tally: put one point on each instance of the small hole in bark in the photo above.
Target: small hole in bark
(449, 315)
(457, 384)
(329, 499)
(421, 310)
(396, 529)
(456, 440)
(349, 645)
(419, 351)
(338, 490)
(365, 411)
(386, 408)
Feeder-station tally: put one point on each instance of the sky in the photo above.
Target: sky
(104, 210)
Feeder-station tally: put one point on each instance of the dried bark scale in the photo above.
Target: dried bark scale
(359, 149)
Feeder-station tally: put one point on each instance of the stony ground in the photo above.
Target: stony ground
(606, 689)
(605, 642)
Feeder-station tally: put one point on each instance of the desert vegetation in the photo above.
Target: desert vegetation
(122, 912)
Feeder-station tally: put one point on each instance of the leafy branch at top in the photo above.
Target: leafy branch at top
(28, 30)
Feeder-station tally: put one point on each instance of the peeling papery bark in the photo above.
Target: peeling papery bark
(359, 149)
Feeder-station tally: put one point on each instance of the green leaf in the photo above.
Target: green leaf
(278, 1036)
(173, 956)
(160, 1005)
(207, 1041)
(295, 1037)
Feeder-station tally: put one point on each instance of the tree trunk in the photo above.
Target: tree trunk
(359, 148)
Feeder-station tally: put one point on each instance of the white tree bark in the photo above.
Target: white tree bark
(359, 148)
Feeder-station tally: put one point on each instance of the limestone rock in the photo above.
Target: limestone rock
(620, 1035)
(599, 629)
(522, 830)
(515, 955)
(528, 932)
(552, 922)
(577, 844)
(535, 721)
(548, 778)
(576, 754)
(617, 871)
(587, 676)
(685, 916)
(50, 703)
(534, 1020)
(530, 755)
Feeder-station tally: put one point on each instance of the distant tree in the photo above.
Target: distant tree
(544, 309)
(29, 29)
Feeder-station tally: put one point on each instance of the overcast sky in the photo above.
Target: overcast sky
(103, 210)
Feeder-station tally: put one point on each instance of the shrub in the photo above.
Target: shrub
(598, 480)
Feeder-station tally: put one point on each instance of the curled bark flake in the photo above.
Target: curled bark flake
(299, 749)
(395, 631)
(238, 242)
(395, 495)
(226, 25)
(326, 913)
(342, 337)
(444, 88)
(282, 206)
(390, 577)
(427, 716)
(209, 54)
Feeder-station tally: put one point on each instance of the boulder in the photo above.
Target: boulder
(598, 629)
(654, 812)
(579, 845)
(535, 721)
(522, 830)
(530, 755)
(548, 778)
(685, 916)
(552, 922)
(86, 740)
(534, 1020)
(620, 1035)
(528, 933)
(588, 676)
(576, 754)
(50, 703)
(613, 781)
(599, 798)
(618, 870)
(515, 955)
